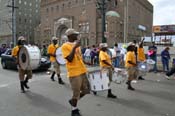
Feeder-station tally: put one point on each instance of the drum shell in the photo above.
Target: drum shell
(99, 80)
(119, 76)
(59, 57)
(33, 56)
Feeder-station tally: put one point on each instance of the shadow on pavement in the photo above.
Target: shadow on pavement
(45, 103)
(158, 94)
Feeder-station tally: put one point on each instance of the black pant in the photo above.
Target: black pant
(171, 72)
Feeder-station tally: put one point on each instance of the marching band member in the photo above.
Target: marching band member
(106, 64)
(131, 65)
(51, 52)
(141, 56)
(22, 73)
(76, 70)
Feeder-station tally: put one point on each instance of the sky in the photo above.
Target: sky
(164, 12)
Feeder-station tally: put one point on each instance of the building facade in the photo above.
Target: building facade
(5, 23)
(27, 18)
(84, 16)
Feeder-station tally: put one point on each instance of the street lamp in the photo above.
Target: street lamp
(102, 6)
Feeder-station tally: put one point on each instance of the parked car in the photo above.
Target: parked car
(8, 62)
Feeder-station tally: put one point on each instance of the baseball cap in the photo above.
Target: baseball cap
(103, 45)
(131, 44)
(54, 38)
(71, 31)
(21, 38)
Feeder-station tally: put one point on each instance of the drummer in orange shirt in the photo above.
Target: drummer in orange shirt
(141, 56)
(131, 65)
(106, 64)
(52, 53)
(22, 73)
(76, 69)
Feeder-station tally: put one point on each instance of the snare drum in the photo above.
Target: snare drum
(29, 57)
(150, 63)
(142, 68)
(59, 57)
(119, 75)
(99, 80)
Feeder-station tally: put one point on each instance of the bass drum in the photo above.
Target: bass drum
(29, 57)
(59, 57)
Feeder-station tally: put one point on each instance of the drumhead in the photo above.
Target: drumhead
(29, 57)
(142, 66)
(59, 57)
(150, 61)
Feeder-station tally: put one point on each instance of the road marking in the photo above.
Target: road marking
(4, 85)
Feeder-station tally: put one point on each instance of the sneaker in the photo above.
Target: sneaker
(26, 86)
(167, 77)
(131, 88)
(141, 78)
(133, 81)
(60, 81)
(111, 96)
(52, 79)
(94, 92)
(76, 113)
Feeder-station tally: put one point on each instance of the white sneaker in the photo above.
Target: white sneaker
(134, 81)
(167, 77)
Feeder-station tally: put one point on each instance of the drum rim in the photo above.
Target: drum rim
(29, 62)
(59, 48)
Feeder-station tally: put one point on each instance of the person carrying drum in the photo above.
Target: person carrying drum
(141, 56)
(52, 54)
(106, 64)
(22, 73)
(76, 69)
(131, 65)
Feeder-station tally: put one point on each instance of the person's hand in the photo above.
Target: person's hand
(112, 68)
(77, 44)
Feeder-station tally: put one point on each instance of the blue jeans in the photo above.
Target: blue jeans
(155, 65)
(117, 62)
(165, 64)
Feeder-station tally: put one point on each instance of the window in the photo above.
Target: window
(57, 8)
(25, 20)
(19, 20)
(25, 3)
(47, 10)
(19, 1)
(52, 9)
(30, 4)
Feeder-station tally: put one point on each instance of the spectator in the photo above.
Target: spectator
(165, 57)
(118, 55)
(153, 55)
(87, 55)
(44, 50)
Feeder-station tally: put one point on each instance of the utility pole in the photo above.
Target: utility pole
(102, 7)
(13, 22)
(125, 20)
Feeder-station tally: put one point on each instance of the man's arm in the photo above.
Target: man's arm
(72, 53)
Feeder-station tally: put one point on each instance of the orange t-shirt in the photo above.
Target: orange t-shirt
(76, 67)
(15, 51)
(141, 54)
(104, 56)
(130, 56)
(51, 50)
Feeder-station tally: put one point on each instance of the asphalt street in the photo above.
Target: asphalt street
(154, 96)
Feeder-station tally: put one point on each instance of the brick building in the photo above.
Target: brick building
(83, 15)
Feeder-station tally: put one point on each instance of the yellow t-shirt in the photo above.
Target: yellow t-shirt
(141, 54)
(76, 67)
(15, 51)
(130, 56)
(51, 50)
(104, 56)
